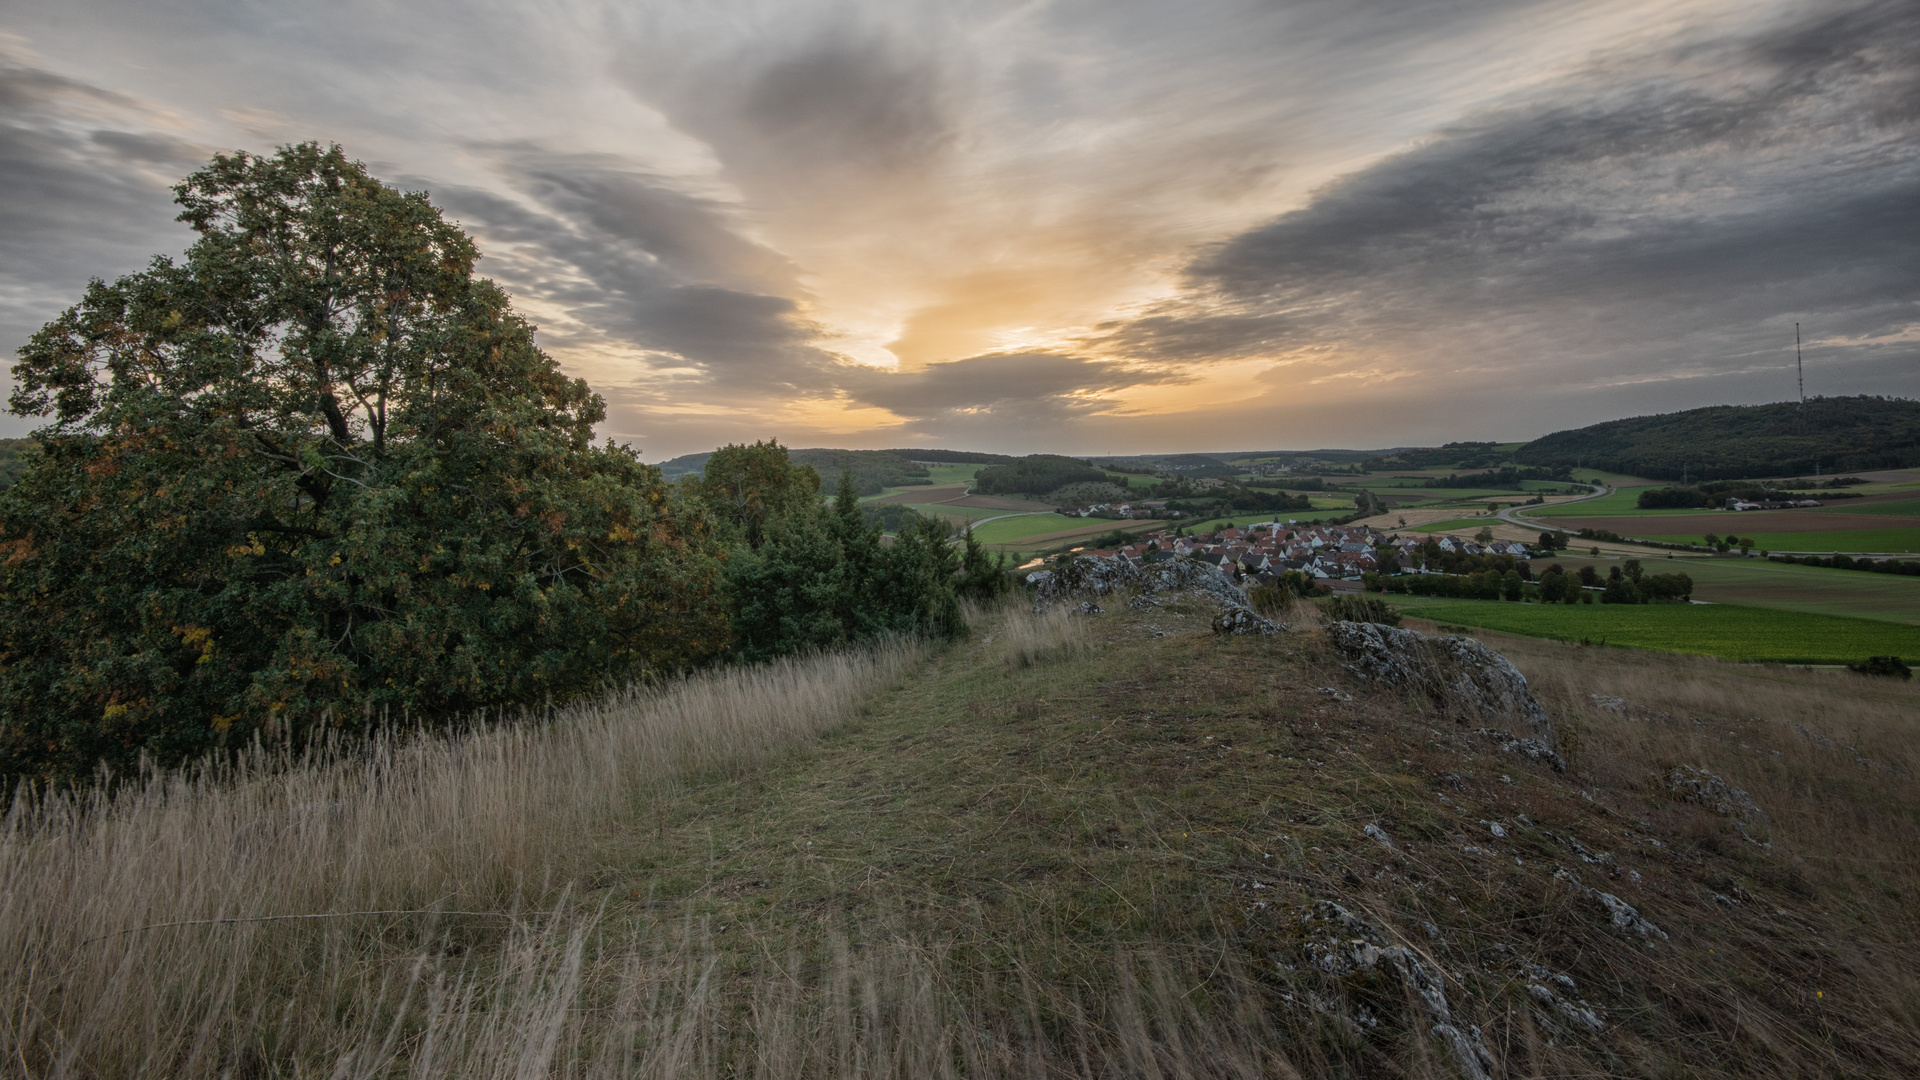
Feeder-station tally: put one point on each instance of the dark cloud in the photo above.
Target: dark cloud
(86, 179)
(817, 115)
(635, 262)
(1644, 222)
(1000, 394)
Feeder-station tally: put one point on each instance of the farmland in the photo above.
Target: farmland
(1762, 584)
(1724, 630)
(1850, 540)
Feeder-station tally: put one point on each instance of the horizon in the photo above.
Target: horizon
(1046, 227)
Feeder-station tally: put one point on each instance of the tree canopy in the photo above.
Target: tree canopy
(314, 470)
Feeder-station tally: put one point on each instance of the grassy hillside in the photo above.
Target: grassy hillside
(1117, 846)
(1830, 435)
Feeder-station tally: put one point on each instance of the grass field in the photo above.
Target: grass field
(1466, 525)
(952, 474)
(1723, 630)
(1065, 847)
(1009, 530)
(1904, 540)
(1907, 507)
(1621, 502)
(1758, 583)
(972, 513)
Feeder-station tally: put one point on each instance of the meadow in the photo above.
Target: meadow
(1008, 530)
(1746, 634)
(1849, 540)
(1068, 847)
(1756, 582)
(1620, 502)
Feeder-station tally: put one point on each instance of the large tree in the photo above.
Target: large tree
(317, 471)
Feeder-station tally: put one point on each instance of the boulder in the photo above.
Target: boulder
(1457, 674)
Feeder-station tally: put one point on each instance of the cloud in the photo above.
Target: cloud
(1000, 395)
(624, 258)
(86, 173)
(1658, 216)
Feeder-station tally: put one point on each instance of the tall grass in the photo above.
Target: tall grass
(301, 915)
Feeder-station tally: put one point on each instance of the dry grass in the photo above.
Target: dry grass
(1023, 638)
(165, 930)
(1076, 846)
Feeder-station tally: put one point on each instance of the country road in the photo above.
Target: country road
(1512, 515)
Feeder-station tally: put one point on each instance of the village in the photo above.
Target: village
(1265, 552)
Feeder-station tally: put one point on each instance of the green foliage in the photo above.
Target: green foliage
(1224, 500)
(823, 579)
(983, 575)
(1087, 494)
(1738, 441)
(15, 454)
(1672, 498)
(316, 471)
(1453, 455)
(1888, 666)
(1506, 477)
(872, 470)
(951, 457)
(1036, 474)
(1271, 599)
(888, 517)
(749, 488)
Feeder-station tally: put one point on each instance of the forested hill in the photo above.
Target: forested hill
(872, 470)
(1733, 442)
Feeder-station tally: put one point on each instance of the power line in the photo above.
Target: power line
(1799, 365)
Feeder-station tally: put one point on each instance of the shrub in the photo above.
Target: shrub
(1369, 609)
(1890, 666)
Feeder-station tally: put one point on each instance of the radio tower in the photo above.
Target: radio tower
(1799, 366)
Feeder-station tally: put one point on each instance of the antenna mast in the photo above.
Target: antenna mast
(1799, 366)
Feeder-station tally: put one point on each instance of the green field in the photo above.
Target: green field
(969, 513)
(944, 475)
(1758, 583)
(1619, 503)
(1008, 530)
(1903, 507)
(1459, 525)
(1902, 540)
(1724, 630)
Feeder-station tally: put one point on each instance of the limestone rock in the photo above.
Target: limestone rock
(1457, 674)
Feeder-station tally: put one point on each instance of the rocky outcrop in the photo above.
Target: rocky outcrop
(1458, 675)
(1081, 580)
(1340, 944)
(1702, 787)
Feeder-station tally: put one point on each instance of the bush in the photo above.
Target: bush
(1270, 599)
(1368, 609)
(1890, 666)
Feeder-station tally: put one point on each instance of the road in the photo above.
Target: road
(1512, 515)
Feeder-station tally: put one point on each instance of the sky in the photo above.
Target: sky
(1075, 226)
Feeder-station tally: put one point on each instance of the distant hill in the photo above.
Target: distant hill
(872, 469)
(1737, 442)
(1035, 474)
(952, 457)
